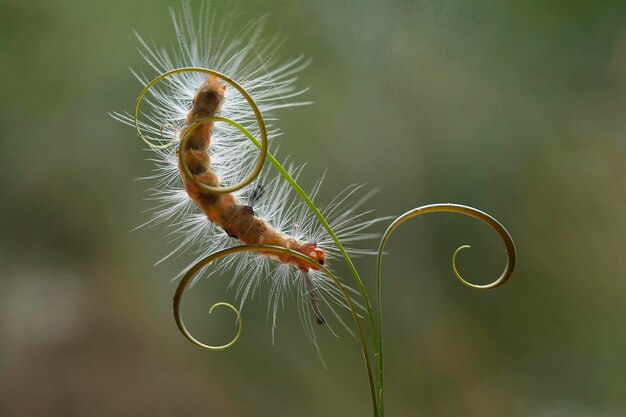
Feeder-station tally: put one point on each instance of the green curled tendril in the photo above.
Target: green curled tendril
(191, 273)
(257, 113)
(178, 297)
(198, 266)
(181, 325)
(504, 235)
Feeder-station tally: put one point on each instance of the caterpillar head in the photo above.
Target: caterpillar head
(209, 97)
(312, 251)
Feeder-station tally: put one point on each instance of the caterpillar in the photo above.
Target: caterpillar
(239, 221)
(205, 76)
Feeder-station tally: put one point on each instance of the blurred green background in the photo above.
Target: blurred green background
(516, 108)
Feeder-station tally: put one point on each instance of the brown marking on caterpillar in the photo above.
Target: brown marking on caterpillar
(237, 220)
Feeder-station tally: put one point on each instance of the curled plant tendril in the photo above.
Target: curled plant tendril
(435, 208)
(188, 278)
(193, 271)
(181, 325)
(178, 296)
(257, 113)
(468, 211)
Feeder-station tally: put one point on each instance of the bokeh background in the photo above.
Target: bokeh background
(516, 108)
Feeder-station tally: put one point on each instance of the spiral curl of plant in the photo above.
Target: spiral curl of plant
(375, 379)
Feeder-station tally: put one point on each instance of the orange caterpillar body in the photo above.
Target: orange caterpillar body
(237, 220)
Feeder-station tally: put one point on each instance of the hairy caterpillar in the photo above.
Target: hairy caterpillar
(239, 221)
(233, 77)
